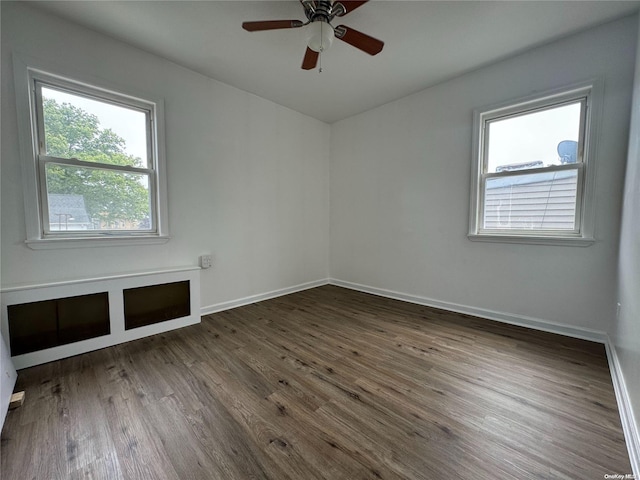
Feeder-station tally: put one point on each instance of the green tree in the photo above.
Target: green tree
(109, 196)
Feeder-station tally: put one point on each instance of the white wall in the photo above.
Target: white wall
(249, 182)
(248, 179)
(400, 177)
(626, 331)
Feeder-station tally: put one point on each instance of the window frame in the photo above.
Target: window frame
(589, 95)
(30, 75)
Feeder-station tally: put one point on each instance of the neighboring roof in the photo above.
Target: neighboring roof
(529, 178)
(73, 205)
(520, 166)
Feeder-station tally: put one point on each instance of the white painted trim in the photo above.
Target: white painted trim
(512, 319)
(219, 307)
(98, 241)
(532, 240)
(593, 90)
(24, 69)
(629, 422)
(114, 286)
(76, 281)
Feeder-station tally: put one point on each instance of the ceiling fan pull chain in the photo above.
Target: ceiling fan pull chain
(322, 27)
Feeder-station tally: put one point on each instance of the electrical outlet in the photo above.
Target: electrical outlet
(206, 261)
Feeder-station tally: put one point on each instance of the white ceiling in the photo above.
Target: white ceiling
(426, 42)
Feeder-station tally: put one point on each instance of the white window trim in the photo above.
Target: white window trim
(25, 70)
(583, 234)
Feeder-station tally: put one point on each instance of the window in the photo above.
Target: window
(95, 167)
(531, 178)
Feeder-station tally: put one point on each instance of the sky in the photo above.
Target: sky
(531, 137)
(127, 123)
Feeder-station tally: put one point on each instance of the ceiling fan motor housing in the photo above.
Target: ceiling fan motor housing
(322, 10)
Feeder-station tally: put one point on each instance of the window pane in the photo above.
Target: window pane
(538, 201)
(82, 199)
(534, 140)
(92, 130)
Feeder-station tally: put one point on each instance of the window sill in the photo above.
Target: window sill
(56, 243)
(532, 239)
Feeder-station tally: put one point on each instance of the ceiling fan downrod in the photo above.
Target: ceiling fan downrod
(325, 10)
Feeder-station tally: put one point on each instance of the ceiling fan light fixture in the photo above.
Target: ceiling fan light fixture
(319, 36)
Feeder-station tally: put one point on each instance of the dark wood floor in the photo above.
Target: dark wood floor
(326, 383)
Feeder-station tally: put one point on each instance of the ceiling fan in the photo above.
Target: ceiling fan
(320, 14)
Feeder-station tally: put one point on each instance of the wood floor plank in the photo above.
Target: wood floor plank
(140, 451)
(326, 383)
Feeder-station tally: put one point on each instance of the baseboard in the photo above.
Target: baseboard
(219, 307)
(114, 286)
(520, 320)
(629, 423)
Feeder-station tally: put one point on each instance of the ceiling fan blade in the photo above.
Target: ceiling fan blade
(310, 59)
(364, 42)
(271, 25)
(348, 5)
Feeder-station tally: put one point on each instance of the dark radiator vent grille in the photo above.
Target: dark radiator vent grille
(38, 325)
(156, 303)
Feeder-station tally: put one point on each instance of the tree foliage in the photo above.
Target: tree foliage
(109, 196)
